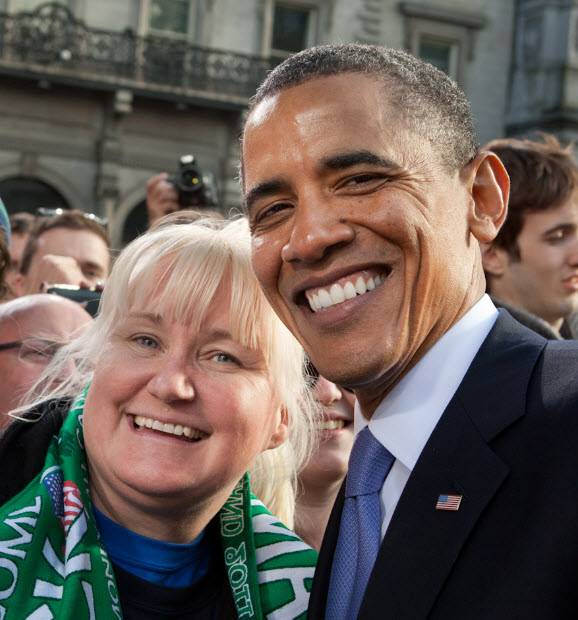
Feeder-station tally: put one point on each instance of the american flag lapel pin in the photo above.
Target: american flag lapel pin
(449, 502)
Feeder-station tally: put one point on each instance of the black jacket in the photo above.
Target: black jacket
(507, 442)
(24, 444)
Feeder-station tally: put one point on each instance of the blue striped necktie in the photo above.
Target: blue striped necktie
(359, 534)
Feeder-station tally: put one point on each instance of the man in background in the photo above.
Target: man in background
(532, 265)
(32, 328)
(68, 248)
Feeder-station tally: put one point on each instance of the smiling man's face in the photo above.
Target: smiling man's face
(361, 239)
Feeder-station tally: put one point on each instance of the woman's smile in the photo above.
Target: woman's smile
(180, 431)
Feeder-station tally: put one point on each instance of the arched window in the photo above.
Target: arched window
(28, 194)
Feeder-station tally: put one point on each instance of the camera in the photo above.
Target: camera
(195, 187)
(86, 296)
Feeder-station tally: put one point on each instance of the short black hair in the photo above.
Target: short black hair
(431, 102)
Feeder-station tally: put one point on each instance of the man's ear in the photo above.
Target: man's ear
(489, 185)
(494, 259)
(279, 435)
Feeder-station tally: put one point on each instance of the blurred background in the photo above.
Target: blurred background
(96, 96)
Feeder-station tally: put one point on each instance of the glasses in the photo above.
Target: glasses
(33, 350)
(312, 375)
(44, 212)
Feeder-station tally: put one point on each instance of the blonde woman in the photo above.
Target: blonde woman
(141, 506)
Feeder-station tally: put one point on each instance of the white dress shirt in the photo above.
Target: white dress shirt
(407, 416)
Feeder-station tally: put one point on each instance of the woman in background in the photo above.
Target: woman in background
(324, 473)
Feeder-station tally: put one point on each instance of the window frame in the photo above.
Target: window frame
(145, 28)
(269, 18)
(454, 50)
(457, 27)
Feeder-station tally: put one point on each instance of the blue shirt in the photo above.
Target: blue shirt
(167, 564)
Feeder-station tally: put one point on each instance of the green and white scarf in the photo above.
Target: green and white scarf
(53, 563)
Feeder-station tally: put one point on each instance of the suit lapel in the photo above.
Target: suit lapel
(422, 543)
(320, 588)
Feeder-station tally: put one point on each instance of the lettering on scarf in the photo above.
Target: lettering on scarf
(236, 561)
(110, 582)
(232, 522)
(16, 520)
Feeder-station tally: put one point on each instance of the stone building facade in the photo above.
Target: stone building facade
(98, 95)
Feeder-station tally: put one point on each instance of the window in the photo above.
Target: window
(28, 194)
(169, 15)
(174, 18)
(441, 54)
(291, 28)
(442, 36)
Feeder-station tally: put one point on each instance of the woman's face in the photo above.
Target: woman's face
(174, 415)
(335, 435)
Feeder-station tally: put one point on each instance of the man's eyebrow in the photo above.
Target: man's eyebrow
(262, 190)
(354, 158)
(92, 265)
(563, 226)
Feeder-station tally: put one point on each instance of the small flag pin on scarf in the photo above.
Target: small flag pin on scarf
(449, 502)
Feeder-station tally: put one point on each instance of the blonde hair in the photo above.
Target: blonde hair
(182, 266)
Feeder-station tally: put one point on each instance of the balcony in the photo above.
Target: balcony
(50, 44)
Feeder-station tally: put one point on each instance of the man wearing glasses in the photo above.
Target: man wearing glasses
(31, 330)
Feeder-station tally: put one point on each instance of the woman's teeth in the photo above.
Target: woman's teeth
(337, 294)
(171, 429)
(330, 425)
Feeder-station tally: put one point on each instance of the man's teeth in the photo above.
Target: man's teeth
(170, 429)
(329, 425)
(337, 294)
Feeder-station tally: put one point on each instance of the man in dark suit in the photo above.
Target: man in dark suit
(367, 199)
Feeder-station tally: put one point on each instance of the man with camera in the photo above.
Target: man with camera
(190, 188)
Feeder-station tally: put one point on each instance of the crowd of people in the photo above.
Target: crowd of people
(355, 401)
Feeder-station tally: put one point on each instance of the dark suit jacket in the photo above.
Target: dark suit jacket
(507, 442)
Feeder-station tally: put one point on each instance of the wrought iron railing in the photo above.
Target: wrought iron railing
(51, 42)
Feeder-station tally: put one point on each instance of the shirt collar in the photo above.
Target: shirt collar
(407, 416)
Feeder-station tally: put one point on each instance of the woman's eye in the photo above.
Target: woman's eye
(225, 358)
(147, 342)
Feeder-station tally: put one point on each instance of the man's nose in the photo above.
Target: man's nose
(572, 255)
(317, 229)
(172, 380)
